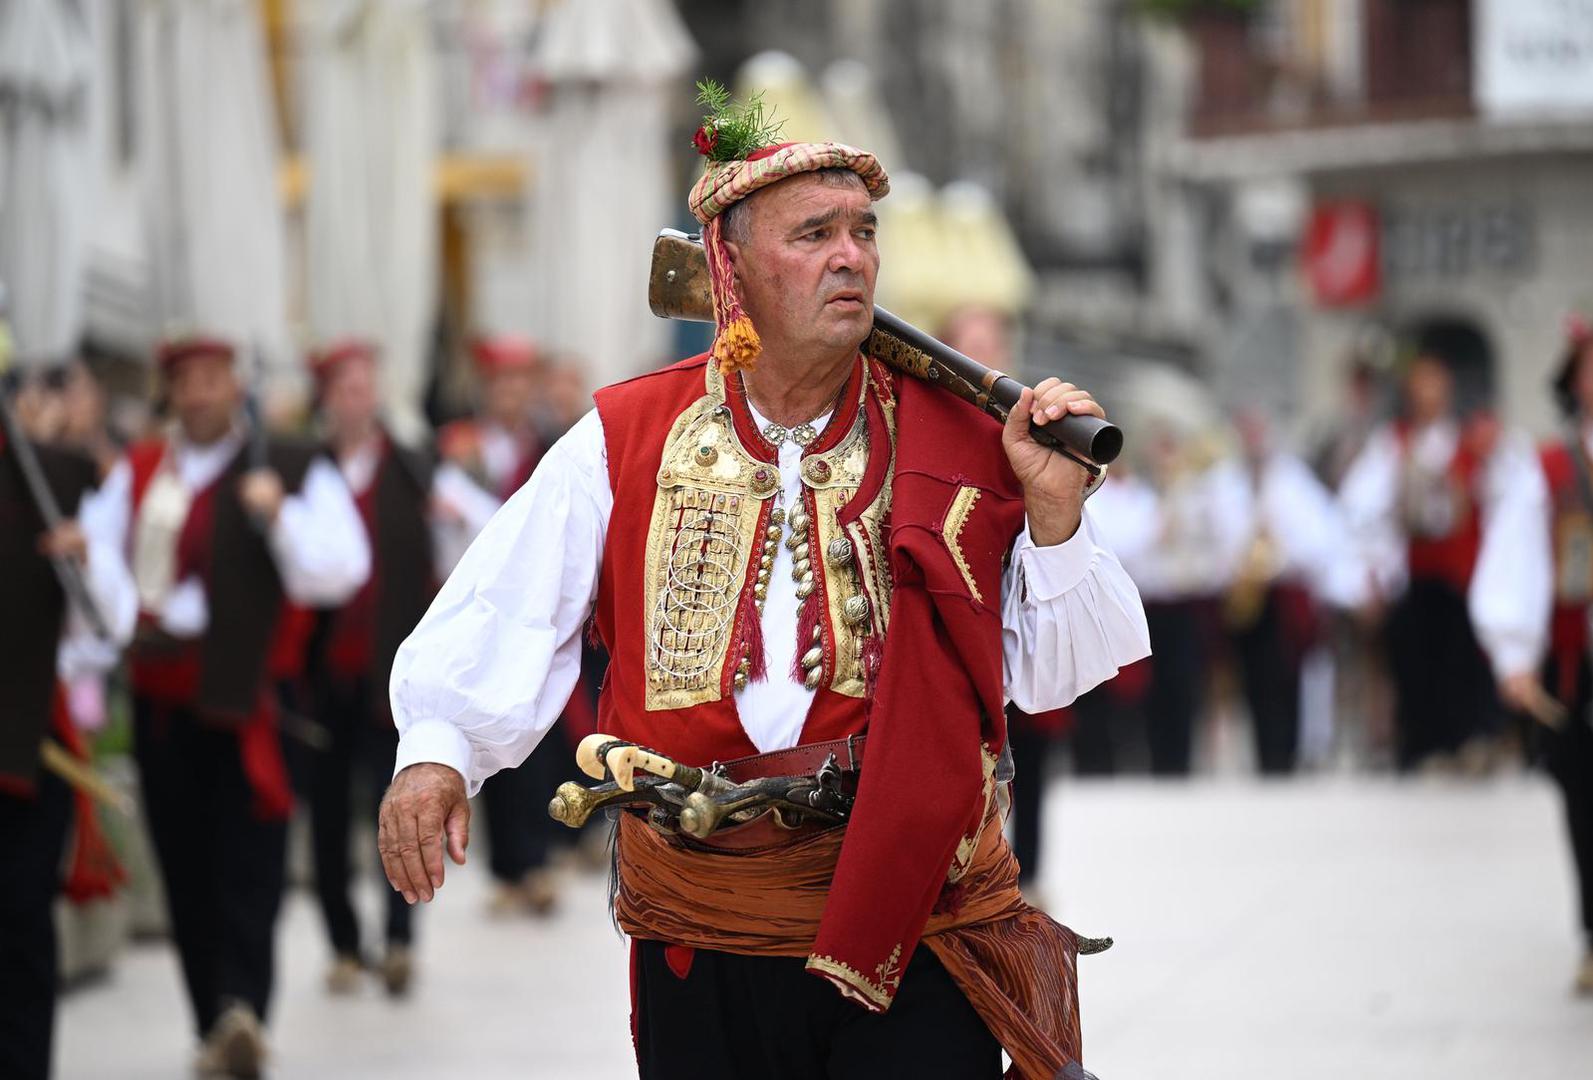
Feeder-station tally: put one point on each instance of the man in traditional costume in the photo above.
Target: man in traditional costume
(36, 804)
(401, 498)
(794, 557)
(1531, 601)
(1424, 497)
(226, 527)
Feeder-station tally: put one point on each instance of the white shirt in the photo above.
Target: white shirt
(1512, 588)
(110, 588)
(317, 539)
(493, 662)
(460, 509)
(1307, 524)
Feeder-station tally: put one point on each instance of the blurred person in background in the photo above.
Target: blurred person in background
(1531, 601)
(1298, 558)
(224, 525)
(1340, 441)
(499, 449)
(36, 805)
(85, 424)
(1423, 499)
(1185, 535)
(399, 495)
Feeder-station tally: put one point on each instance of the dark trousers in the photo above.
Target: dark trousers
(353, 771)
(519, 830)
(1269, 671)
(1178, 631)
(1443, 690)
(1100, 722)
(32, 835)
(1568, 756)
(221, 865)
(735, 1016)
(1031, 748)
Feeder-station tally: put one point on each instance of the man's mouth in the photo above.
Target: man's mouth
(848, 299)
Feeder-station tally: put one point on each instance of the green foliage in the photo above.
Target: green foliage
(731, 131)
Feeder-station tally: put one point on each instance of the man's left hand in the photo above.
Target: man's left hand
(1053, 486)
(261, 493)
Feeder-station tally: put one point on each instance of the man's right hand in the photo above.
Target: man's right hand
(423, 804)
(1524, 693)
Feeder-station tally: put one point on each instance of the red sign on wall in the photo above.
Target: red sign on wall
(1340, 254)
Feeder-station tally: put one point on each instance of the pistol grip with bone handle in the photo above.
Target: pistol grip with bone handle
(602, 757)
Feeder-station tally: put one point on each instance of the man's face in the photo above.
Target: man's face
(205, 395)
(349, 398)
(807, 264)
(510, 394)
(981, 333)
(1429, 388)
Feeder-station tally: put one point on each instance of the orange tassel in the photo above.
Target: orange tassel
(737, 346)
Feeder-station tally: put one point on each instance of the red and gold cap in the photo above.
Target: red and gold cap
(743, 155)
(503, 352)
(176, 348)
(334, 354)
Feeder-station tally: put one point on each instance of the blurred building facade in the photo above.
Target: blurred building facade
(1379, 173)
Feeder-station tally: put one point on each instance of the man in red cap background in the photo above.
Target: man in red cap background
(790, 551)
(401, 496)
(225, 527)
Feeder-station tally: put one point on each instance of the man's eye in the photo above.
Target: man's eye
(865, 234)
(816, 234)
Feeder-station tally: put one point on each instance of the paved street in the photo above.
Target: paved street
(1317, 929)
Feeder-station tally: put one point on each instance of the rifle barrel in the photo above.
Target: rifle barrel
(678, 289)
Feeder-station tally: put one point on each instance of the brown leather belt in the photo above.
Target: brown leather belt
(804, 760)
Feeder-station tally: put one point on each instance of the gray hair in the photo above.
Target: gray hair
(735, 224)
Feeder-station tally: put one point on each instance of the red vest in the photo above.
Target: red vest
(224, 676)
(1452, 557)
(934, 706)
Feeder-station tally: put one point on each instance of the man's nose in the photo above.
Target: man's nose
(847, 254)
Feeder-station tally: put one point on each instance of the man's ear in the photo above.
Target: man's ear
(733, 252)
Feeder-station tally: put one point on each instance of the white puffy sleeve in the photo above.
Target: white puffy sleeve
(1070, 619)
(1370, 500)
(1512, 588)
(493, 662)
(318, 540)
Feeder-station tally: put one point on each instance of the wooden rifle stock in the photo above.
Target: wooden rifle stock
(678, 289)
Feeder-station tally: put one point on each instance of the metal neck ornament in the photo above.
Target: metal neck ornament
(802, 434)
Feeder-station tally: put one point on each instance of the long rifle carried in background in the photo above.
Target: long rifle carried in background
(678, 289)
(67, 571)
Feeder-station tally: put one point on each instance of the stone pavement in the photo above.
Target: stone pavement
(1305, 930)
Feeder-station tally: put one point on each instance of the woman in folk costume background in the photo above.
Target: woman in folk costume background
(700, 514)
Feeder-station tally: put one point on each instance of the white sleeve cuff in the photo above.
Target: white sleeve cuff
(439, 742)
(1513, 654)
(1050, 572)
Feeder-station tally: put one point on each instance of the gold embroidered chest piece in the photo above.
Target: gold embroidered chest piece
(715, 528)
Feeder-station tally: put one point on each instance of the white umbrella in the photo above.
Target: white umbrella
(208, 167)
(46, 63)
(370, 132)
(602, 183)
